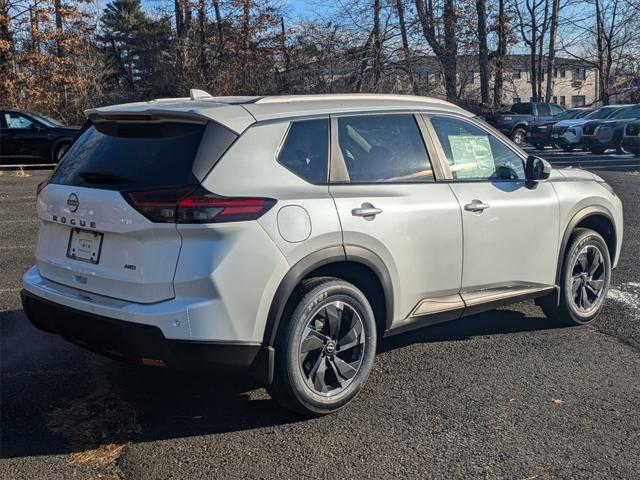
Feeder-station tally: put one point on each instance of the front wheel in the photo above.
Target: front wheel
(518, 136)
(325, 349)
(586, 274)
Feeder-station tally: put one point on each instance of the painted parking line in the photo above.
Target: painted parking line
(610, 167)
(602, 159)
(19, 221)
(7, 290)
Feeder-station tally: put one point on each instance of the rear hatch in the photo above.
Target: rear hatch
(105, 228)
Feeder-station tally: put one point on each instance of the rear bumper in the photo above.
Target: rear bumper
(593, 141)
(143, 344)
(537, 136)
(631, 144)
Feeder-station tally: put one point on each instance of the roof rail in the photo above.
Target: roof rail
(347, 96)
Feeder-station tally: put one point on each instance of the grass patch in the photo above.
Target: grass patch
(97, 427)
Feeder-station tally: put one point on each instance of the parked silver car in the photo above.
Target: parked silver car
(286, 235)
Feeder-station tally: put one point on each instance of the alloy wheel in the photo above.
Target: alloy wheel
(332, 348)
(518, 138)
(588, 279)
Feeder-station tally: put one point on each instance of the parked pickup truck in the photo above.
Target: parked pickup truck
(514, 123)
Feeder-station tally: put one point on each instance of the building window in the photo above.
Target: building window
(580, 73)
(516, 100)
(517, 73)
(555, 73)
(577, 101)
(555, 99)
(563, 100)
(563, 73)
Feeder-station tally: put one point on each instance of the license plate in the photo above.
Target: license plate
(84, 245)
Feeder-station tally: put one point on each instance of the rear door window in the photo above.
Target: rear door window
(383, 149)
(122, 156)
(543, 109)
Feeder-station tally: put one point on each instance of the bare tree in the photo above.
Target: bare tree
(555, 14)
(607, 43)
(405, 47)
(499, 54)
(533, 23)
(7, 50)
(443, 43)
(483, 51)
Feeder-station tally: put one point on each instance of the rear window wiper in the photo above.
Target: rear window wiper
(105, 178)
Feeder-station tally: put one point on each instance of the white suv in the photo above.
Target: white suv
(286, 234)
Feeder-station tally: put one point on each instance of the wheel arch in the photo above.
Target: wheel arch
(521, 126)
(596, 218)
(355, 264)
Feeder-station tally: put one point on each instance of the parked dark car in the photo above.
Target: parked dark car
(31, 138)
(566, 134)
(631, 138)
(539, 131)
(602, 135)
(514, 123)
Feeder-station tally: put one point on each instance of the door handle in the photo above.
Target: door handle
(367, 211)
(476, 206)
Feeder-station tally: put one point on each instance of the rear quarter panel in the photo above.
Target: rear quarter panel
(303, 221)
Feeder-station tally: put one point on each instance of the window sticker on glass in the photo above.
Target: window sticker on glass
(472, 156)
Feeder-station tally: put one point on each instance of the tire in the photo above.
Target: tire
(636, 153)
(518, 136)
(597, 150)
(59, 151)
(312, 305)
(567, 148)
(572, 310)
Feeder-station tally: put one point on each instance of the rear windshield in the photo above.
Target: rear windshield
(522, 108)
(122, 156)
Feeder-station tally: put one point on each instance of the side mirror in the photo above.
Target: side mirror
(35, 127)
(537, 168)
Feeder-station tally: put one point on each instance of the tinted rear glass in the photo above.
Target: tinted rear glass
(627, 112)
(119, 156)
(522, 108)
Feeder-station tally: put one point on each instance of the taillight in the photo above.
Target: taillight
(189, 205)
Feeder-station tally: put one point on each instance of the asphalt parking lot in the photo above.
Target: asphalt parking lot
(504, 394)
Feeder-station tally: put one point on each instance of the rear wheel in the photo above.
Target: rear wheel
(518, 136)
(59, 151)
(325, 349)
(586, 273)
